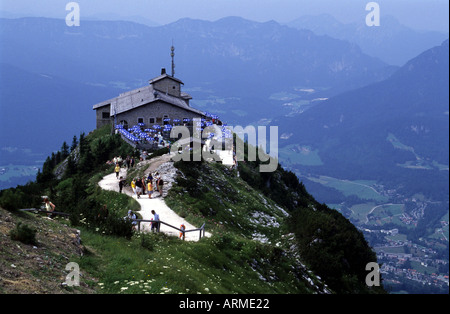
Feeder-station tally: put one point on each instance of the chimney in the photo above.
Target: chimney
(163, 71)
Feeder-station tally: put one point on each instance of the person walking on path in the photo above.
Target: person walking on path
(121, 184)
(160, 184)
(132, 216)
(49, 207)
(155, 223)
(133, 187)
(150, 178)
(139, 187)
(182, 233)
(117, 170)
(144, 186)
(149, 189)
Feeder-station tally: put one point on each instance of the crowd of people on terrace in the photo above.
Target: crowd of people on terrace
(158, 134)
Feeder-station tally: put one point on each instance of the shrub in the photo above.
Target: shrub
(147, 242)
(11, 200)
(118, 226)
(88, 213)
(159, 152)
(23, 233)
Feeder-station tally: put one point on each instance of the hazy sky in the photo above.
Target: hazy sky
(419, 14)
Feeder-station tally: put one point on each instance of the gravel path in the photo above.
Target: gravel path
(165, 168)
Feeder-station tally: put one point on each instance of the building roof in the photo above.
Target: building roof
(163, 76)
(143, 96)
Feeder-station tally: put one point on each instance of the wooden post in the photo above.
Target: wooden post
(202, 228)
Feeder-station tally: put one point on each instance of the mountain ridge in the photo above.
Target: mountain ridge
(250, 239)
(355, 109)
(392, 42)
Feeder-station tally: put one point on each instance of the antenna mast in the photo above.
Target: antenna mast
(172, 54)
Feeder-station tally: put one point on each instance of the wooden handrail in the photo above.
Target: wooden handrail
(44, 211)
(202, 228)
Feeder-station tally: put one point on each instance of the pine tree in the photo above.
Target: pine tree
(74, 143)
(64, 151)
(71, 168)
(58, 158)
(86, 164)
(46, 176)
(83, 144)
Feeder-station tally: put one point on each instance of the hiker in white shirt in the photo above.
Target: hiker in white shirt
(155, 223)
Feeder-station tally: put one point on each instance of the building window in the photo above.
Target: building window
(105, 115)
(124, 123)
(187, 121)
(152, 120)
(166, 119)
(140, 120)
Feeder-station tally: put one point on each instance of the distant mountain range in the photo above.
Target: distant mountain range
(245, 71)
(52, 74)
(392, 42)
(228, 54)
(395, 131)
(39, 109)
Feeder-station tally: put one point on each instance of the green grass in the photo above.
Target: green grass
(397, 237)
(360, 211)
(116, 202)
(379, 214)
(418, 163)
(422, 268)
(220, 265)
(301, 155)
(394, 249)
(387, 214)
(443, 231)
(361, 190)
(397, 144)
(237, 205)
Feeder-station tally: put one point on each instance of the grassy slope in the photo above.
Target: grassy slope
(39, 267)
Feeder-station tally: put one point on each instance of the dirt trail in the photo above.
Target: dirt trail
(161, 164)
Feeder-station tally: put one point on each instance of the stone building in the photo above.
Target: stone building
(159, 103)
